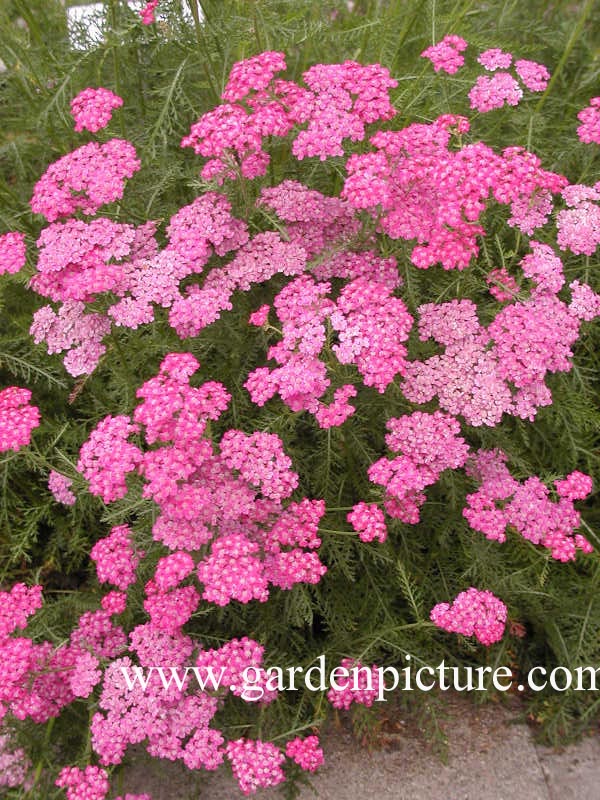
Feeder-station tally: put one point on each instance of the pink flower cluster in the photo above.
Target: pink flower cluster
(255, 764)
(90, 783)
(487, 372)
(60, 486)
(107, 457)
(38, 680)
(13, 252)
(115, 557)
(17, 418)
(502, 501)
(368, 520)
(494, 59)
(147, 12)
(589, 130)
(579, 224)
(502, 89)
(446, 55)
(340, 101)
(371, 327)
(354, 683)
(85, 179)
(585, 303)
(428, 444)
(418, 187)
(305, 752)
(495, 92)
(15, 766)
(472, 613)
(231, 496)
(92, 108)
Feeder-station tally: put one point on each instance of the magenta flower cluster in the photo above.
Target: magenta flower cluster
(18, 418)
(233, 496)
(92, 108)
(472, 613)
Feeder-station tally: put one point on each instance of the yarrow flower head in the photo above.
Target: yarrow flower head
(589, 130)
(85, 179)
(255, 764)
(88, 784)
(305, 752)
(472, 613)
(368, 521)
(494, 59)
(17, 418)
(490, 93)
(92, 108)
(13, 252)
(147, 12)
(446, 55)
(60, 486)
(501, 501)
(535, 76)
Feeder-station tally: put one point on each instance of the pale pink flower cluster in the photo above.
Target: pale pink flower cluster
(579, 224)
(80, 260)
(13, 252)
(147, 12)
(204, 227)
(36, 680)
(495, 92)
(305, 752)
(85, 179)
(323, 226)
(107, 457)
(355, 683)
(92, 108)
(17, 418)
(585, 303)
(15, 765)
(472, 613)
(533, 75)
(446, 55)
(73, 330)
(494, 59)
(263, 257)
(368, 520)
(60, 486)
(502, 501)
(371, 327)
(487, 372)
(589, 130)
(173, 723)
(502, 89)
(428, 444)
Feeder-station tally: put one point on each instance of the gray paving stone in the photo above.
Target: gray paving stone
(573, 773)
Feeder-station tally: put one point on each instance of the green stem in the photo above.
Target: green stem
(575, 34)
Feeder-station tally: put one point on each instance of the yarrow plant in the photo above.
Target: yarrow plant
(201, 465)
